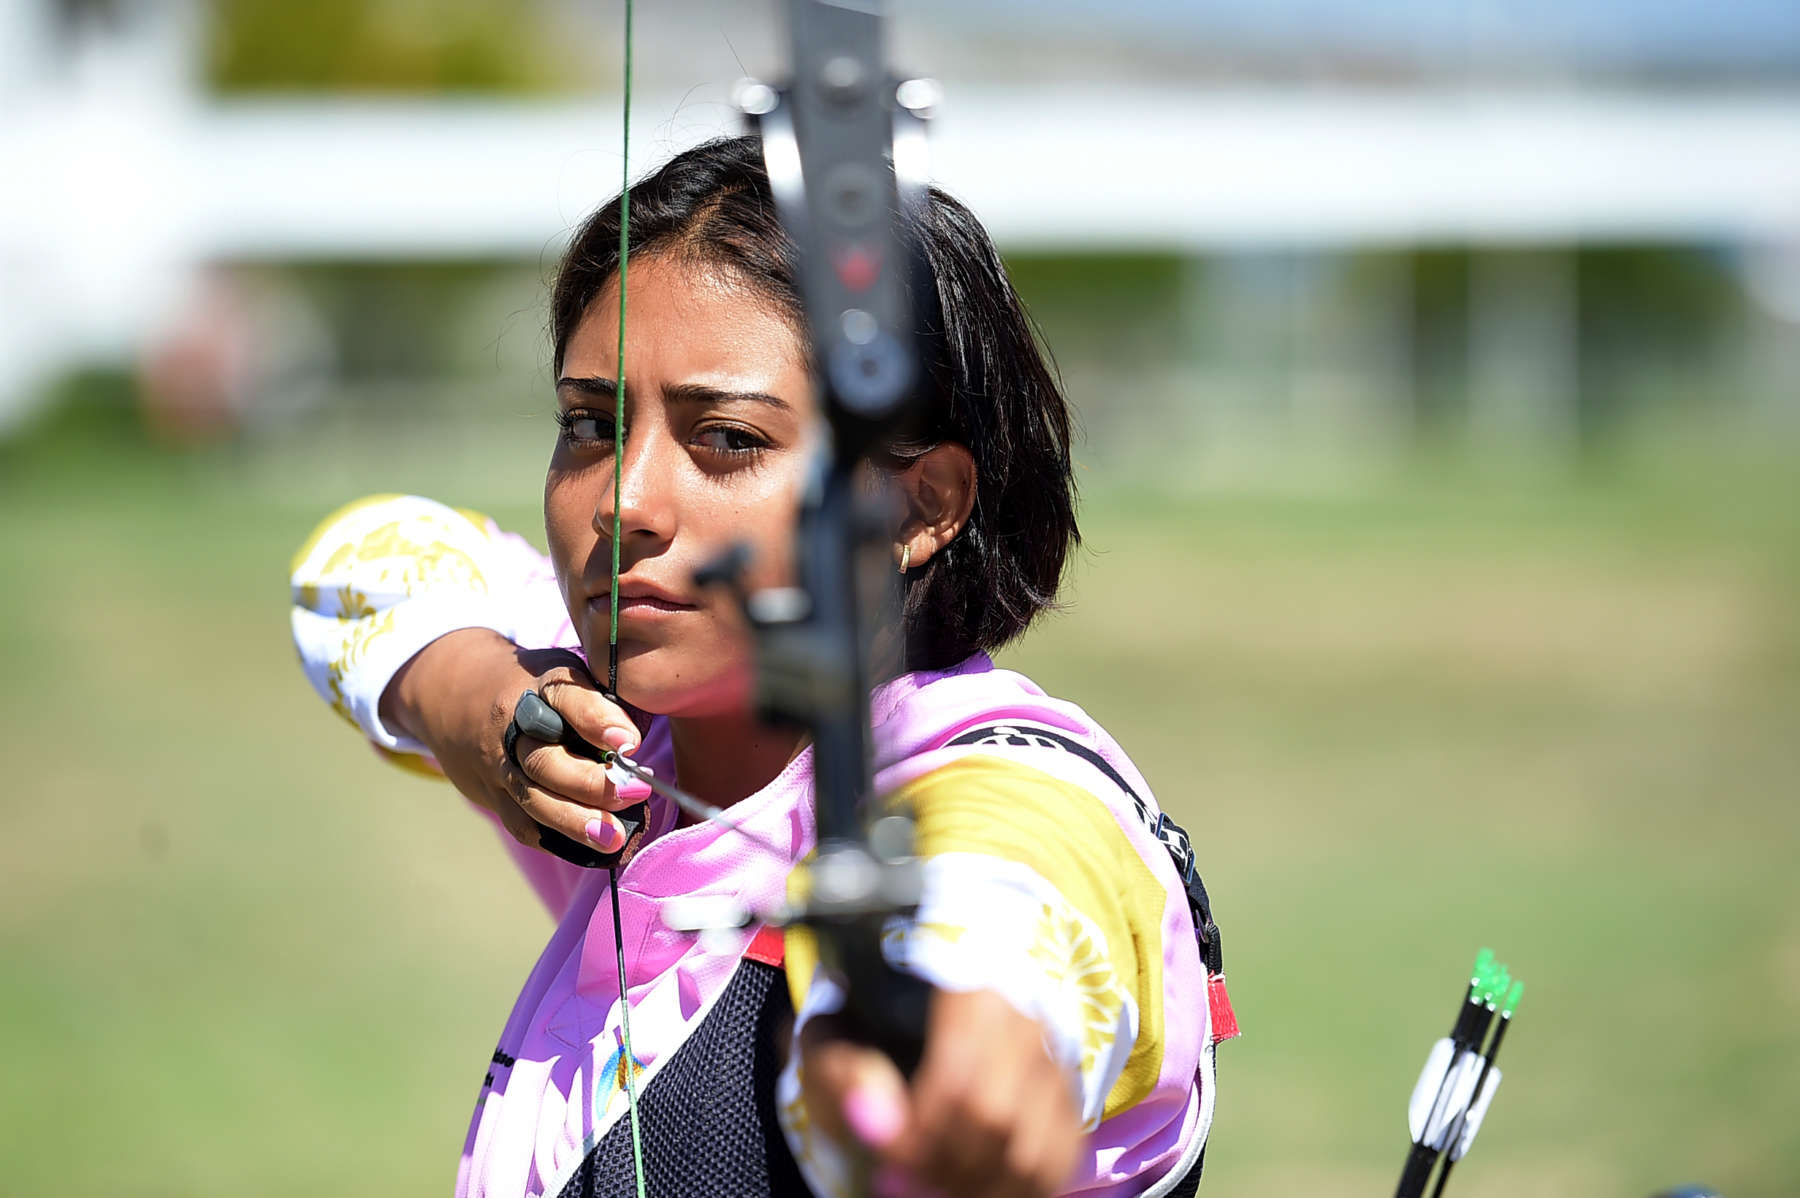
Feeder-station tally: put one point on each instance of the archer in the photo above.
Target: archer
(1069, 1042)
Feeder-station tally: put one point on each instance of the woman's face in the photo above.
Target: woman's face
(718, 407)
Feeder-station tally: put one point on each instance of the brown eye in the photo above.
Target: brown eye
(730, 440)
(584, 427)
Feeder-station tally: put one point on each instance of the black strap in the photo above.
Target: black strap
(1173, 836)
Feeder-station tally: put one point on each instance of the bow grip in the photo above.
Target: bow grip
(889, 1013)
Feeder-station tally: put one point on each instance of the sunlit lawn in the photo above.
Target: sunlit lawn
(238, 955)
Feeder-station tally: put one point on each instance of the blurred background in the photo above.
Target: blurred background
(1439, 372)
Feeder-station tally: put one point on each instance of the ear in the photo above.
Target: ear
(938, 492)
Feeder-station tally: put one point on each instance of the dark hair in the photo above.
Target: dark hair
(990, 388)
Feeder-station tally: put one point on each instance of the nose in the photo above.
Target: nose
(645, 494)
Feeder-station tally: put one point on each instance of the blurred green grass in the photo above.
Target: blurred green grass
(1563, 719)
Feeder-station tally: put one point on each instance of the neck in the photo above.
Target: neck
(724, 758)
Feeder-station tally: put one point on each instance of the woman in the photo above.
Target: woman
(1069, 1044)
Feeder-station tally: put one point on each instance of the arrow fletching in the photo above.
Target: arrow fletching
(1444, 1090)
(1477, 1110)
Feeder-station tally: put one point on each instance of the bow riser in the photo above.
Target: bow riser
(829, 144)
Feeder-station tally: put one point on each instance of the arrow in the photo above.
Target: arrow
(1458, 1080)
(1462, 1135)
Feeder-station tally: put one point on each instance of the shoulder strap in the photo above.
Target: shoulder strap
(1172, 836)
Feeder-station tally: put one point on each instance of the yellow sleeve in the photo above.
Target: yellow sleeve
(377, 581)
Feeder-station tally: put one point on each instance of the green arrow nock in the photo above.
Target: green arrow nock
(1498, 981)
(1479, 976)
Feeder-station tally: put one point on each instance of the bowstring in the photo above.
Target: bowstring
(629, 1065)
(612, 639)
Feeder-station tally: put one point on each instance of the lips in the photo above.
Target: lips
(642, 596)
(646, 603)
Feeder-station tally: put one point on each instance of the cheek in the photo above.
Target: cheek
(775, 565)
(568, 521)
(770, 530)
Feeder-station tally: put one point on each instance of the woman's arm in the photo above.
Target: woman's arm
(409, 617)
(1043, 926)
(381, 578)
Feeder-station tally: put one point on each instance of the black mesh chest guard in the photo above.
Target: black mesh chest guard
(708, 1116)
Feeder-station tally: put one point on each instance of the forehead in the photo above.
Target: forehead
(684, 321)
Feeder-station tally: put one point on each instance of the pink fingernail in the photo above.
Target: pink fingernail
(605, 835)
(891, 1181)
(875, 1115)
(620, 740)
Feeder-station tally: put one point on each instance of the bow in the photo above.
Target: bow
(844, 147)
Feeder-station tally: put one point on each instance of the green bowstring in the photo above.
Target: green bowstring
(629, 1065)
(612, 640)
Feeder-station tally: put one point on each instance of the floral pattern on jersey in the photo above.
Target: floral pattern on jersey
(414, 550)
(1073, 957)
(611, 1095)
(363, 625)
(405, 555)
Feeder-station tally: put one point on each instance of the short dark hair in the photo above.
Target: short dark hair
(990, 386)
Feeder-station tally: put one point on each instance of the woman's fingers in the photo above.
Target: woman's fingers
(582, 824)
(1045, 1142)
(518, 825)
(855, 1092)
(458, 695)
(581, 821)
(989, 1112)
(967, 1091)
(554, 769)
(576, 697)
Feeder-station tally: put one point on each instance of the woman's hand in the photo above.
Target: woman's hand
(988, 1112)
(456, 696)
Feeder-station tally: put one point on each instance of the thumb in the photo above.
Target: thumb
(596, 717)
(856, 1090)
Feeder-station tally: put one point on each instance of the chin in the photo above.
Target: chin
(681, 685)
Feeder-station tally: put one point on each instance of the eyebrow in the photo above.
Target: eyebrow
(701, 393)
(599, 388)
(690, 393)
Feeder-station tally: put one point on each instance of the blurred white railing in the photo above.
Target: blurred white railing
(121, 181)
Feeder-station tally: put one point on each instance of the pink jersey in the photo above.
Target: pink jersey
(1099, 944)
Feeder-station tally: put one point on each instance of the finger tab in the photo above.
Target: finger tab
(538, 719)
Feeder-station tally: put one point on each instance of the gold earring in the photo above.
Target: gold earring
(905, 558)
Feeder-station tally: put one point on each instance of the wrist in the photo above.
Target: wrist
(445, 666)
